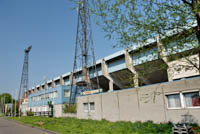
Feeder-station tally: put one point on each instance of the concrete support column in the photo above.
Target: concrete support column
(71, 79)
(129, 65)
(26, 94)
(105, 73)
(163, 55)
(110, 86)
(62, 81)
(40, 87)
(46, 86)
(162, 50)
(35, 89)
(53, 84)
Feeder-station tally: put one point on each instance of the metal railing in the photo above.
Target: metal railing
(43, 113)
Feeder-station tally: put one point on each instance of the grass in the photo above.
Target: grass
(1, 115)
(77, 126)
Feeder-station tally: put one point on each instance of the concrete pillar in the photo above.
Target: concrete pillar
(105, 73)
(129, 65)
(71, 79)
(62, 81)
(162, 50)
(26, 94)
(110, 86)
(53, 84)
(35, 90)
(40, 87)
(46, 86)
(163, 55)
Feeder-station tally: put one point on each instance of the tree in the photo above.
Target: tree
(8, 97)
(134, 22)
(138, 22)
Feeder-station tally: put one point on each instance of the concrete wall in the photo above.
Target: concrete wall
(140, 104)
(57, 110)
(183, 68)
(69, 115)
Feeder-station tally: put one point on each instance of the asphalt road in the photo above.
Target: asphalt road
(11, 127)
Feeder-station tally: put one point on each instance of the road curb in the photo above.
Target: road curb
(28, 125)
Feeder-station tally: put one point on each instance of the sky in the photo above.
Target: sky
(50, 27)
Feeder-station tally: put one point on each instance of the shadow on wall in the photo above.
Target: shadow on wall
(188, 118)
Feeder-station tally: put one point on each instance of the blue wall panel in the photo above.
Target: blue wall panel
(116, 65)
(93, 73)
(145, 56)
(60, 99)
(66, 81)
(181, 45)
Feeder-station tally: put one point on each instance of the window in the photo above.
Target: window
(85, 107)
(50, 95)
(92, 106)
(174, 101)
(47, 96)
(42, 97)
(66, 93)
(89, 107)
(55, 94)
(192, 99)
(46, 109)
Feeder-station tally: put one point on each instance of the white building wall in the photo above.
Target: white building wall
(183, 68)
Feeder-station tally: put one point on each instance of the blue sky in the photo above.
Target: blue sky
(49, 26)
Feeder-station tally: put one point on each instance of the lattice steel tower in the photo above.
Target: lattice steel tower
(84, 51)
(24, 76)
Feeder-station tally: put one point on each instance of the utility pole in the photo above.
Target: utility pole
(24, 77)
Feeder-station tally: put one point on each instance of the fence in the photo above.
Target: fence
(43, 113)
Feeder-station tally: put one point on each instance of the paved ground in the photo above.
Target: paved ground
(11, 127)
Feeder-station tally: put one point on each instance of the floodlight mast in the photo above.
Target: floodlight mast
(84, 53)
(24, 77)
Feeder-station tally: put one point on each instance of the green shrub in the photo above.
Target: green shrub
(29, 113)
(69, 108)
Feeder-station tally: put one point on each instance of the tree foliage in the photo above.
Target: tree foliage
(136, 21)
(8, 98)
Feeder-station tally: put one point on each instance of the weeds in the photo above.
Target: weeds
(81, 126)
